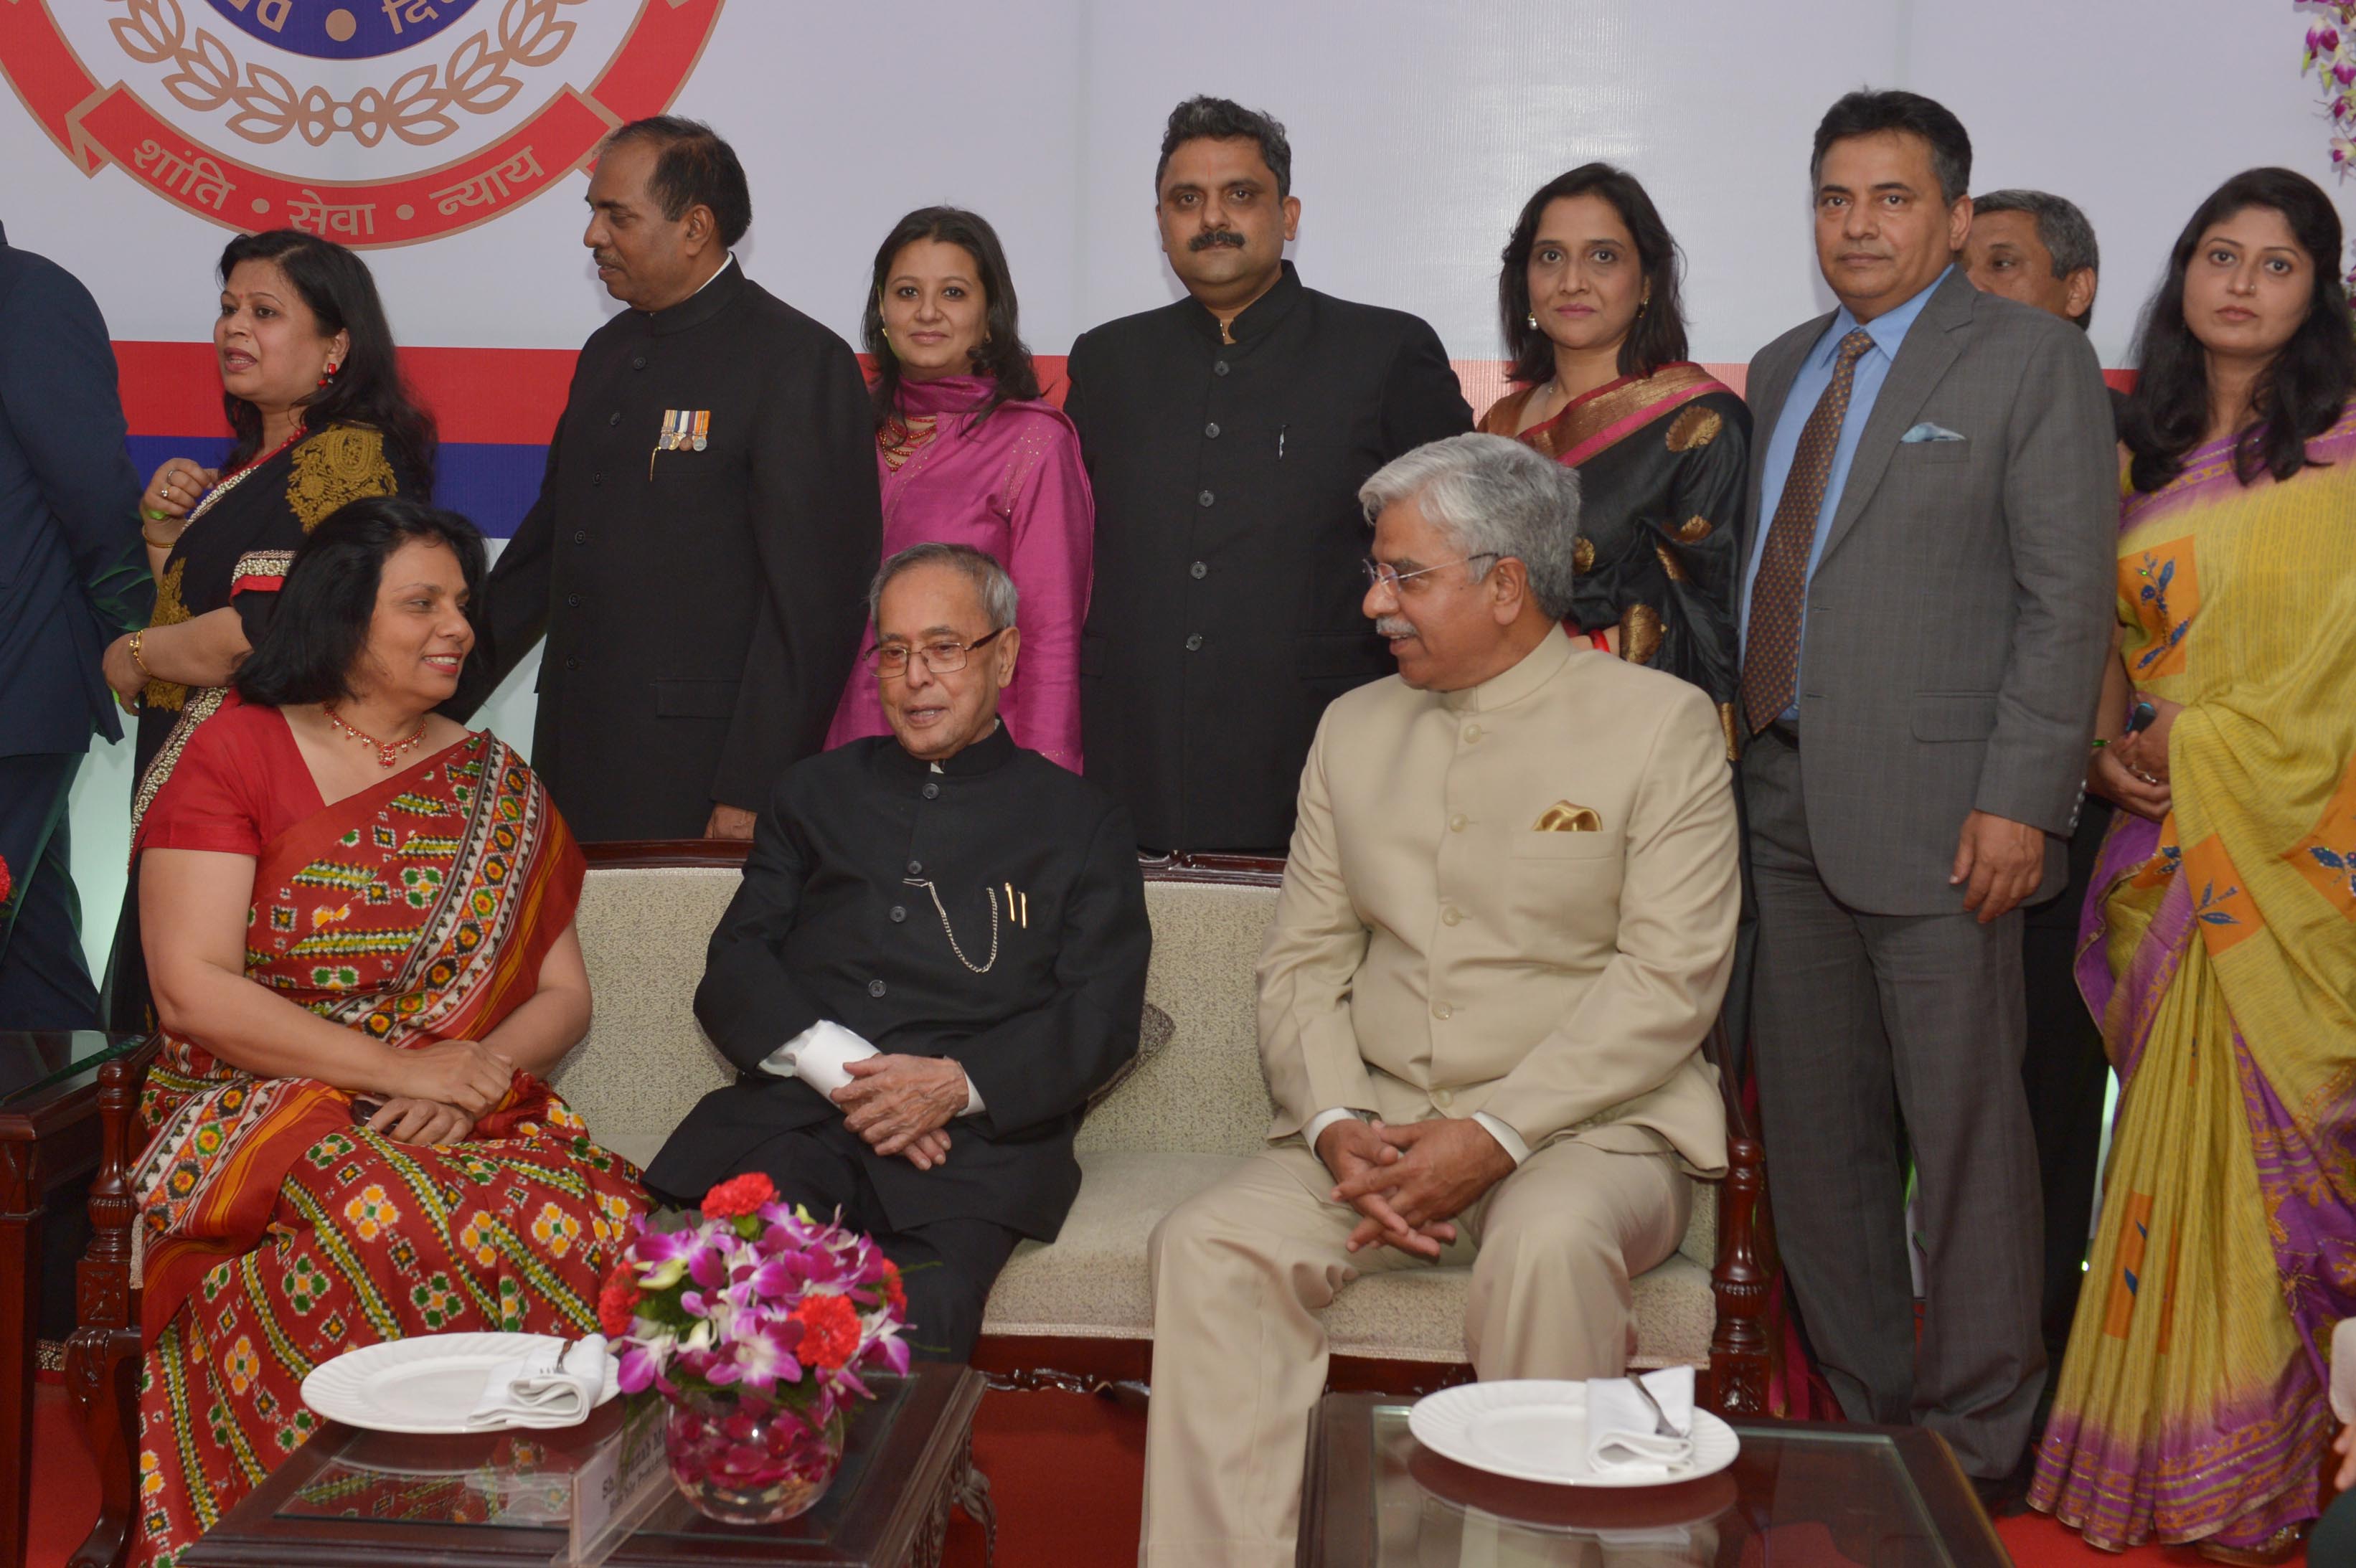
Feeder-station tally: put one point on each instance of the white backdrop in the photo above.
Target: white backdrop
(1417, 128)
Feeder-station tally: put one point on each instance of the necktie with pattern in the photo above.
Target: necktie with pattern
(1770, 653)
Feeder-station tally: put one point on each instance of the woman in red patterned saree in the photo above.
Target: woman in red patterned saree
(359, 926)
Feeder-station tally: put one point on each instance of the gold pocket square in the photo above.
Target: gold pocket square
(1564, 817)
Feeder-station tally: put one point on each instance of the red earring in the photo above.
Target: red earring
(329, 379)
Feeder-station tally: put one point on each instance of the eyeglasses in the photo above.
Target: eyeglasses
(891, 660)
(1383, 574)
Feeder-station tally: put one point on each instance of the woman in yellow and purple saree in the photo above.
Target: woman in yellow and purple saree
(2219, 947)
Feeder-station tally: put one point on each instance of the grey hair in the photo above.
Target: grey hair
(980, 567)
(2062, 229)
(1491, 496)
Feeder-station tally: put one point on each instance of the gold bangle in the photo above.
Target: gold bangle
(138, 663)
(154, 543)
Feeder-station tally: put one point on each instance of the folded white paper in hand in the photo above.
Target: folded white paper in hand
(540, 1391)
(2343, 1371)
(1624, 1436)
(817, 1056)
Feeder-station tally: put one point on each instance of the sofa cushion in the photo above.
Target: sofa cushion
(1091, 1283)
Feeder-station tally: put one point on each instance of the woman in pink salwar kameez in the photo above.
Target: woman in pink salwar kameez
(971, 453)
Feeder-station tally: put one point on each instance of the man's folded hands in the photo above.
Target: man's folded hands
(1408, 1183)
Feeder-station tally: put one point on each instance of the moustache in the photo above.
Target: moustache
(603, 258)
(1211, 238)
(1393, 626)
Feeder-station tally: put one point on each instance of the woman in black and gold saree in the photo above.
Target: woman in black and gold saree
(314, 397)
(1589, 300)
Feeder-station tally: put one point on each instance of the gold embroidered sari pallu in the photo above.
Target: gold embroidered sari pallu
(416, 911)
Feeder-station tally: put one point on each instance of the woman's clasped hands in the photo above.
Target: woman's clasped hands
(442, 1090)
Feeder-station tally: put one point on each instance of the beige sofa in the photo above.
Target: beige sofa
(1195, 1106)
(1073, 1313)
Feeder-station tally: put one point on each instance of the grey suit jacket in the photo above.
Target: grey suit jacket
(1961, 610)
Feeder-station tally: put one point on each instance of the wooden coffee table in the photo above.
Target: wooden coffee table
(48, 1137)
(351, 1499)
(1800, 1492)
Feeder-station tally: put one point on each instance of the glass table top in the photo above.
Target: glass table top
(524, 1479)
(1818, 1496)
(32, 1060)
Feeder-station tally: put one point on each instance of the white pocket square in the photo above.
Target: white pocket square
(1929, 431)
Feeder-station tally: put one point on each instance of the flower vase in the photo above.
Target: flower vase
(744, 1460)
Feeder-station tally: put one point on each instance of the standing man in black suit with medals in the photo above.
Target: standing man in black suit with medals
(1227, 436)
(707, 525)
(937, 954)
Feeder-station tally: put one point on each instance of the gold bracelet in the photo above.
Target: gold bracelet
(138, 663)
(156, 543)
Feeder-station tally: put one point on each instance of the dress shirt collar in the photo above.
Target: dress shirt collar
(714, 295)
(1888, 330)
(1258, 319)
(1537, 666)
(987, 755)
(4, 236)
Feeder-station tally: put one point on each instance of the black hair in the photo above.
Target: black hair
(1867, 113)
(1658, 335)
(1002, 352)
(694, 168)
(1206, 119)
(2301, 393)
(319, 628)
(368, 388)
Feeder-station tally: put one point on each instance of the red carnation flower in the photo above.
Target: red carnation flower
(4, 882)
(617, 1302)
(893, 1291)
(830, 1331)
(739, 1195)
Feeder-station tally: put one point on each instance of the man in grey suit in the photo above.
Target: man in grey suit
(1926, 608)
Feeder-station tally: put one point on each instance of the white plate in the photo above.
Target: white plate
(1536, 1431)
(427, 1383)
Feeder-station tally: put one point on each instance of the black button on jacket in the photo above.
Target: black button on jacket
(701, 608)
(1226, 610)
(1027, 860)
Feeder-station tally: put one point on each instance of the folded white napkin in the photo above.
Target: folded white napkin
(540, 1391)
(1623, 1437)
(818, 1054)
(2343, 1371)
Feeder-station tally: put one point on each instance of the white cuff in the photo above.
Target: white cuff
(1507, 1139)
(1323, 1119)
(973, 1105)
(817, 1056)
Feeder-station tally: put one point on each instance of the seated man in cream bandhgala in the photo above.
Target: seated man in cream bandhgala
(1505, 928)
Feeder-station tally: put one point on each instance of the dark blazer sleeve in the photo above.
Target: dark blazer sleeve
(748, 1002)
(60, 394)
(1076, 401)
(1422, 400)
(817, 526)
(514, 612)
(1042, 1065)
(2060, 504)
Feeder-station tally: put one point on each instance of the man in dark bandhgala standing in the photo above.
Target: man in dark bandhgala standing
(1226, 435)
(2038, 247)
(1926, 607)
(707, 526)
(72, 579)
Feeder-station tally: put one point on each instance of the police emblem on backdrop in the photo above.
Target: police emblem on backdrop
(238, 109)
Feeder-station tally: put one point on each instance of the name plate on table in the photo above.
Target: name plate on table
(617, 1486)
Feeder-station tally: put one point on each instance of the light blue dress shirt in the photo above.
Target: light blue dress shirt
(1888, 330)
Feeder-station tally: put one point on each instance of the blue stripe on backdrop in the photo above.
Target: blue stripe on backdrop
(492, 483)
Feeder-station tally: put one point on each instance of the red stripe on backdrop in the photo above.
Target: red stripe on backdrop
(513, 396)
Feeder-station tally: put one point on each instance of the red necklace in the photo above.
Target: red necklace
(387, 751)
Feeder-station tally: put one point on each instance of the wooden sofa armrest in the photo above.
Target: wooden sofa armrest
(102, 1355)
(1742, 1277)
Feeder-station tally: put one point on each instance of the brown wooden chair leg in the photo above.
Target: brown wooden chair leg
(102, 1355)
(1738, 1346)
